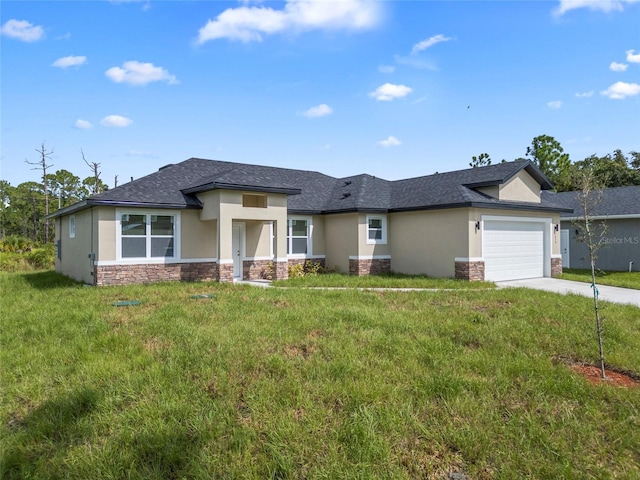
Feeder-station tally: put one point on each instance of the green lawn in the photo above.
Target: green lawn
(298, 383)
(615, 279)
(394, 280)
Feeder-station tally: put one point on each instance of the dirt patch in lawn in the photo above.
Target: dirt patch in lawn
(594, 376)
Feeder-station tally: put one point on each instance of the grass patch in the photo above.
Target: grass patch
(615, 279)
(392, 280)
(298, 383)
(37, 258)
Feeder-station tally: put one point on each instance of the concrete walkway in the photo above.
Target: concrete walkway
(605, 292)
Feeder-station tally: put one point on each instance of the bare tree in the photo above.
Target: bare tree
(96, 184)
(42, 165)
(591, 233)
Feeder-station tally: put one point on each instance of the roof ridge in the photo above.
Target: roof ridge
(361, 190)
(475, 169)
(252, 165)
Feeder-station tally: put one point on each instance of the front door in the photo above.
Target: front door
(564, 247)
(237, 238)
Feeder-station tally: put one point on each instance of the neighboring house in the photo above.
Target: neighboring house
(205, 219)
(619, 208)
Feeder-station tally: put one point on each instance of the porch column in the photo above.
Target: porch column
(225, 249)
(280, 262)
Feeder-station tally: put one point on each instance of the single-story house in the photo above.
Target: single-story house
(619, 209)
(205, 219)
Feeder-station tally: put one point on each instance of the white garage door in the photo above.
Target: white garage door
(513, 250)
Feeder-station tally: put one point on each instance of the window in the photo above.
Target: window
(249, 200)
(72, 226)
(376, 229)
(298, 236)
(146, 235)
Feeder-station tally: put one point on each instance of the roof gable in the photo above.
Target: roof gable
(459, 187)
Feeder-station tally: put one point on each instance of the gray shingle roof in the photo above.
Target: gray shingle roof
(456, 188)
(608, 202)
(177, 185)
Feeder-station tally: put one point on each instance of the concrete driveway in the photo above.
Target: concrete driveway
(606, 293)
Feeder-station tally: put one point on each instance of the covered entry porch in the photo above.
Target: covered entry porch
(251, 233)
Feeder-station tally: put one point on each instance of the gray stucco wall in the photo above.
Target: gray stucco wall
(621, 246)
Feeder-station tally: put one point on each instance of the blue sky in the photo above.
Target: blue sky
(396, 89)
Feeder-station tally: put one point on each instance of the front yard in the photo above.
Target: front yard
(297, 383)
(615, 279)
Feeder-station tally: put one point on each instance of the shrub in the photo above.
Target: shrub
(308, 268)
(267, 272)
(312, 268)
(41, 258)
(13, 262)
(296, 270)
(15, 244)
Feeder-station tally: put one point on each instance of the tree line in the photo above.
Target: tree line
(612, 170)
(24, 208)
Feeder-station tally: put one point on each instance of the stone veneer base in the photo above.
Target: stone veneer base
(256, 269)
(472, 271)
(373, 266)
(556, 267)
(280, 270)
(157, 272)
(259, 269)
(225, 273)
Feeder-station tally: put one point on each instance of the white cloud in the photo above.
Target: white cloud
(602, 5)
(145, 7)
(386, 69)
(248, 24)
(137, 73)
(83, 124)
(139, 153)
(585, 94)
(632, 56)
(621, 90)
(116, 121)
(319, 111)
(554, 104)
(390, 141)
(22, 30)
(415, 62)
(70, 61)
(618, 67)
(389, 91)
(429, 42)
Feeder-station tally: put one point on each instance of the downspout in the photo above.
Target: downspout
(630, 265)
(59, 244)
(92, 255)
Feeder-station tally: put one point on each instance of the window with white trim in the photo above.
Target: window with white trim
(145, 235)
(72, 226)
(299, 236)
(376, 229)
